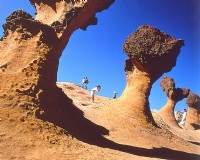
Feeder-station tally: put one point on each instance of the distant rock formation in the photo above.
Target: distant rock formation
(151, 53)
(173, 96)
(30, 50)
(193, 114)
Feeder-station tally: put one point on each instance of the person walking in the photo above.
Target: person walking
(95, 89)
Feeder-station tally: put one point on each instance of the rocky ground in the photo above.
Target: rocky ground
(105, 133)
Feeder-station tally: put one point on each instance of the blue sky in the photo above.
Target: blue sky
(97, 53)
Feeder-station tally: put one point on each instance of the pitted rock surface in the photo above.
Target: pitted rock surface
(152, 51)
(30, 50)
(177, 94)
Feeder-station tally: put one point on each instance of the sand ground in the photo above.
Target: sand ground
(107, 134)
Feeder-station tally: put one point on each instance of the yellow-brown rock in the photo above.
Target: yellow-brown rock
(173, 96)
(38, 120)
(30, 50)
(151, 53)
(193, 114)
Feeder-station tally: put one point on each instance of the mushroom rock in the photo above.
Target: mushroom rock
(151, 53)
(193, 114)
(173, 96)
(30, 50)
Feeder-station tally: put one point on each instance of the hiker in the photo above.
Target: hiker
(115, 95)
(182, 122)
(85, 82)
(95, 89)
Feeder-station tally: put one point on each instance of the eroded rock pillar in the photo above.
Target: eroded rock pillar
(150, 54)
(193, 114)
(173, 96)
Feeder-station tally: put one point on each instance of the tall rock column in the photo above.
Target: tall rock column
(173, 96)
(30, 50)
(151, 53)
(193, 114)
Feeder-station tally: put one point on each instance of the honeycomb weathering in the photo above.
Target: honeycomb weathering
(14, 22)
(30, 50)
(152, 50)
(177, 94)
(38, 44)
(24, 24)
(167, 84)
(37, 112)
(148, 43)
(193, 100)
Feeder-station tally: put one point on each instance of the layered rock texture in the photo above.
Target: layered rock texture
(151, 53)
(193, 114)
(174, 95)
(29, 55)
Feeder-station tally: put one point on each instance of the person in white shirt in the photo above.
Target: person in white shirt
(182, 122)
(95, 89)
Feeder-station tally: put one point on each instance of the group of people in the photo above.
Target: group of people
(97, 88)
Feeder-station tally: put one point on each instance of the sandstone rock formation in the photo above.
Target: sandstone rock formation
(193, 114)
(30, 99)
(173, 96)
(29, 55)
(151, 53)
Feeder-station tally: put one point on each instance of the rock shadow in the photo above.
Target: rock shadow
(196, 143)
(66, 115)
(60, 110)
(163, 153)
(195, 126)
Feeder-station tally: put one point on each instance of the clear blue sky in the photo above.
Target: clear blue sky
(97, 53)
